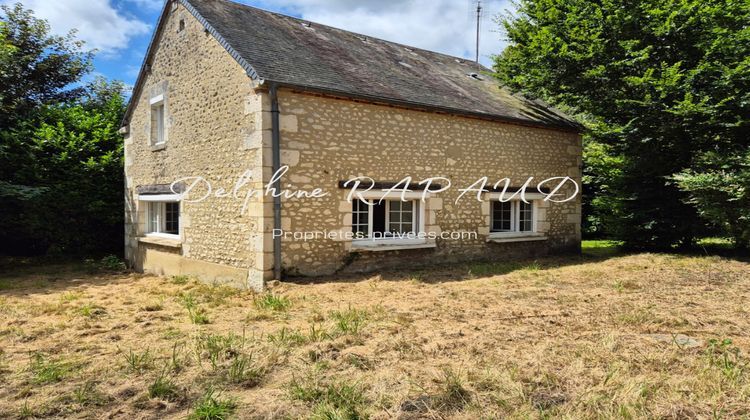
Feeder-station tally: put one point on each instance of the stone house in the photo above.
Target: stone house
(229, 94)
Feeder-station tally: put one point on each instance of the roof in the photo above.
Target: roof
(298, 54)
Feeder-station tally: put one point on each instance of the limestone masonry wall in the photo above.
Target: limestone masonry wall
(215, 130)
(325, 140)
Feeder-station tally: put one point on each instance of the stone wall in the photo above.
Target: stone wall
(216, 130)
(325, 140)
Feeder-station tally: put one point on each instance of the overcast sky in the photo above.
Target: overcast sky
(121, 29)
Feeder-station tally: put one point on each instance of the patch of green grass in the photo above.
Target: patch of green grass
(212, 407)
(638, 316)
(453, 394)
(26, 412)
(154, 306)
(197, 314)
(333, 400)
(172, 333)
(418, 277)
(601, 248)
(360, 362)
(217, 294)
(349, 321)
(716, 241)
(243, 371)
(111, 263)
(217, 347)
(88, 394)
(494, 268)
(286, 337)
(7, 284)
(163, 388)
(70, 296)
(317, 333)
(179, 280)
(91, 310)
(46, 370)
(722, 355)
(138, 362)
(272, 302)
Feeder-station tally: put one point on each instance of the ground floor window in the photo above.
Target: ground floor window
(386, 219)
(163, 217)
(512, 216)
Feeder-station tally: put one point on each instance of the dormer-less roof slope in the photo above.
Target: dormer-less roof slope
(309, 56)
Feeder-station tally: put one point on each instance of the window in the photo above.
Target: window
(387, 220)
(158, 132)
(512, 216)
(163, 218)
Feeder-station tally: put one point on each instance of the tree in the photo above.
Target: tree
(722, 180)
(658, 83)
(36, 68)
(60, 154)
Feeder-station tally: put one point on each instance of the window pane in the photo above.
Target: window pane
(172, 218)
(157, 123)
(360, 218)
(153, 217)
(395, 217)
(501, 216)
(406, 227)
(525, 216)
(406, 206)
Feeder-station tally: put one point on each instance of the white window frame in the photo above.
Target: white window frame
(418, 219)
(156, 103)
(515, 219)
(161, 200)
(534, 199)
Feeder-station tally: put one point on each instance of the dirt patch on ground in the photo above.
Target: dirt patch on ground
(577, 337)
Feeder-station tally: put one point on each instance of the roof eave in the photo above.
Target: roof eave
(571, 126)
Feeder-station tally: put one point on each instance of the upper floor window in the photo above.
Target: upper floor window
(158, 121)
(512, 216)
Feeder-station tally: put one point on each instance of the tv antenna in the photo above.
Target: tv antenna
(479, 10)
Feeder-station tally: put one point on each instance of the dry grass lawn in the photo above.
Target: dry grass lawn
(626, 336)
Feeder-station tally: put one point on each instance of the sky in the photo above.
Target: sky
(120, 30)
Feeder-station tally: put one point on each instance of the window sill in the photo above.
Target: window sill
(161, 241)
(503, 237)
(157, 147)
(370, 246)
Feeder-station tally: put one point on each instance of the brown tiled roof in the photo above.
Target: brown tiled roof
(308, 56)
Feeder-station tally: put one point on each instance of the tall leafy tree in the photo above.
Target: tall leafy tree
(60, 153)
(658, 83)
(36, 67)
